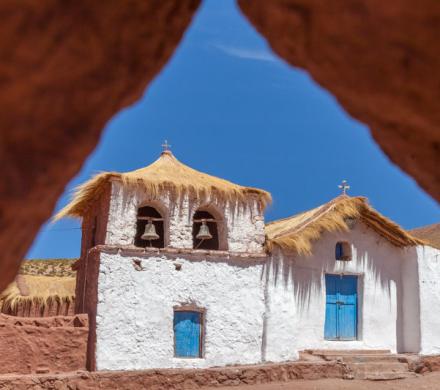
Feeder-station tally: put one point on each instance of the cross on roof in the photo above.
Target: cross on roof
(166, 146)
(344, 187)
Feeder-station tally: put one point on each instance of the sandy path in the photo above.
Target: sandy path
(429, 381)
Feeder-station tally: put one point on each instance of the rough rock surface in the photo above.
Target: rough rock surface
(65, 69)
(426, 382)
(176, 379)
(204, 378)
(381, 61)
(51, 344)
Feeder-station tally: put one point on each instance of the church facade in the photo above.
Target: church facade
(178, 269)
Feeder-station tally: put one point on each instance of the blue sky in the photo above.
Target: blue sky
(231, 108)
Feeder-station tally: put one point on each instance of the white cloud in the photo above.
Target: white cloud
(249, 54)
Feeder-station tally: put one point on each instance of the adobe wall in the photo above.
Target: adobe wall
(429, 286)
(50, 344)
(244, 224)
(98, 213)
(134, 321)
(296, 295)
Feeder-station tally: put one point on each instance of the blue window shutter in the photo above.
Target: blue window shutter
(338, 251)
(187, 333)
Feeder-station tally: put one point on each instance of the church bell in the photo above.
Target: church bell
(204, 233)
(150, 233)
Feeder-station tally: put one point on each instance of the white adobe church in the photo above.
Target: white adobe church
(178, 269)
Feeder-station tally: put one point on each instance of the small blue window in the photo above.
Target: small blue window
(338, 250)
(188, 334)
(343, 251)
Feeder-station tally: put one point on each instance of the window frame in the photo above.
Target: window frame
(202, 313)
(346, 253)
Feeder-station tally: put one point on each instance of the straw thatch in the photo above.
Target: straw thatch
(165, 174)
(430, 234)
(40, 289)
(298, 233)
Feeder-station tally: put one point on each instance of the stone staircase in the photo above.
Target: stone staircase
(376, 364)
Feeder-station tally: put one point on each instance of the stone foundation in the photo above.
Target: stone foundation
(424, 364)
(195, 378)
(176, 379)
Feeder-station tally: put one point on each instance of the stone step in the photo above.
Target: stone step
(384, 376)
(344, 352)
(379, 366)
(367, 358)
(379, 370)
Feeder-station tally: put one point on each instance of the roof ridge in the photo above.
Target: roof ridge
(165, 173)
(425, 226)
(299, 232)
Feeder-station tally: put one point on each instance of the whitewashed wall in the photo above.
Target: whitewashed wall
(296, 295)
(244, 224)
(255, 312)
(429, 285)
(409, 340)
(135, 311)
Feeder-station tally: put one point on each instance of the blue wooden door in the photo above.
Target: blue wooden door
(187, 333)
(341, 307)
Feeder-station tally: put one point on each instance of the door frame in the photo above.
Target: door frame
(359, 305)
(202, 313)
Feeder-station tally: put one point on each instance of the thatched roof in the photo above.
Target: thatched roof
(298, 232)
(166, 173)
(40, 283)
(430, 234)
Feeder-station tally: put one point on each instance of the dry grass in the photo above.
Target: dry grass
(48, 267)
(165, 174)
(298, 233)
(42, 291)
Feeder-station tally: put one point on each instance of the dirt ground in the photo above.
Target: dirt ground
(429, 381)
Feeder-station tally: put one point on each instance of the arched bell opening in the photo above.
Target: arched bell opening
(208, 231)
(150, 231)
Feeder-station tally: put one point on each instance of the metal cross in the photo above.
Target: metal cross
(344, 187)
(166, 146)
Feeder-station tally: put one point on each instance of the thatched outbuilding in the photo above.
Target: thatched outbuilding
(42, 288)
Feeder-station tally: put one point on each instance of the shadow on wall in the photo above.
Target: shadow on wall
(385, 271)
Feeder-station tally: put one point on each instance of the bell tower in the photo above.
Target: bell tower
(164, 227)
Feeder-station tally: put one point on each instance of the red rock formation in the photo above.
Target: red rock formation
(379, 58)
(66, 68)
